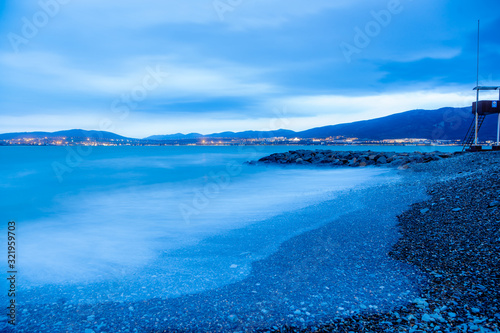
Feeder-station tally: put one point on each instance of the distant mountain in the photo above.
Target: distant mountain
(74, 133)
(225, 135)
(178, 136)
(442, 124)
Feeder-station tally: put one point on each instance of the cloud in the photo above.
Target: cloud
(437, 53)
(292, 112)
(229, 73)
(177, 79)
(130, 14)
(337, 109)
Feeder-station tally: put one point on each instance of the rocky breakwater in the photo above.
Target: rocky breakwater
(354, 158)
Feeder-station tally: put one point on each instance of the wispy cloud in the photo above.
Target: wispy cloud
(228, 72)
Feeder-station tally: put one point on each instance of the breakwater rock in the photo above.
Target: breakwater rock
(354, 158)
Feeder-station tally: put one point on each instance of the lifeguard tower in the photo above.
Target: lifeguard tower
(481, 109)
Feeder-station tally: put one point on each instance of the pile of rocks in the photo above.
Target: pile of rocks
(354, 158)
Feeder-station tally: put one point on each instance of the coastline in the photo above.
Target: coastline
(303, 261)
(454, 237)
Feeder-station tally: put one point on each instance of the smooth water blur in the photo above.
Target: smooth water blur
(107, 214)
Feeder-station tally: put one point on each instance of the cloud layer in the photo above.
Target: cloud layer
(228, 65)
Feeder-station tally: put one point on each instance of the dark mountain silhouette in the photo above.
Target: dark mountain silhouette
(442, 124)
(74, 133)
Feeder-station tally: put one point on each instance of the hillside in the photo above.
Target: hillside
(74, 133)
(442, 124)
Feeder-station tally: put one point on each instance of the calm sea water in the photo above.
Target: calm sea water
(110, 215)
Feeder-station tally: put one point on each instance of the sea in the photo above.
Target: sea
(95, 223)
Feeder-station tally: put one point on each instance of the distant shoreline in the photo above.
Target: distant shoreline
(251, 145)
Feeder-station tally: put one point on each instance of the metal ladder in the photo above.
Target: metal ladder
(469, 137)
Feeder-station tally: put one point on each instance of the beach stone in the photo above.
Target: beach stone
(426, 317)
(421, 303)
(232, 318)
(494, 204)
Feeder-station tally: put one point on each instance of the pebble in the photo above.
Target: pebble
(426, 317)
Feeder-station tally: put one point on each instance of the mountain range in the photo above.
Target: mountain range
(442, 124)
(74, 133)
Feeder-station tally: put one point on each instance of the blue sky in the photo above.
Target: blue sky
(140, 68)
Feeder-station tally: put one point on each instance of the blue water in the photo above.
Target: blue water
(108, 215)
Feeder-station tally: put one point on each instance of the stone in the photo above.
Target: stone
(423, 211)
(421, 303)
(426, 317)
(232, 318)
(494, 204)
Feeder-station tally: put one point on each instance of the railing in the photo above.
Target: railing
(470, 136)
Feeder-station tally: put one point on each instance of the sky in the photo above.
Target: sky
(141, 68)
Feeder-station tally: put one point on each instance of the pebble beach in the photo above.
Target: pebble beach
(438, 231)
(454, 237)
